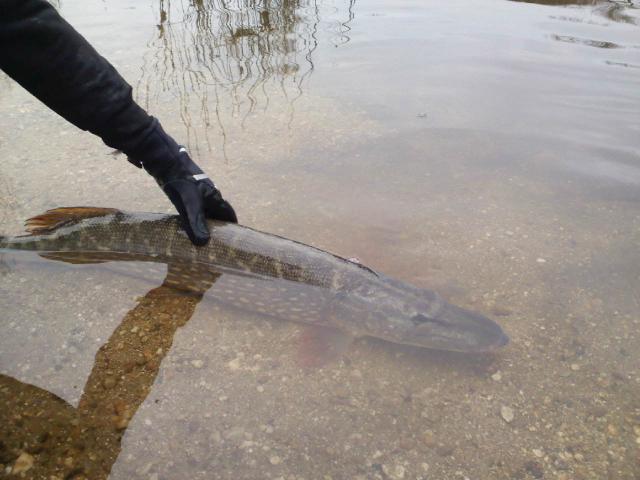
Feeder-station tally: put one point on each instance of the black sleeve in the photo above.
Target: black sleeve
(49, 58)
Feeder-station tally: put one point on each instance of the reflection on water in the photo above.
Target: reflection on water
(247, 50)
(622, 64)
(583, 41)
(208, 48)
(614, 10)
(562, 2)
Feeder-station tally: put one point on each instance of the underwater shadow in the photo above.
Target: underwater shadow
(47, 437)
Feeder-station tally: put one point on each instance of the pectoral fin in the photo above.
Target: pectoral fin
(322, 345)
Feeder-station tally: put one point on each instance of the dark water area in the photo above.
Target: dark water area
(486, 150)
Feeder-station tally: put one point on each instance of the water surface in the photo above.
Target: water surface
(488, 150)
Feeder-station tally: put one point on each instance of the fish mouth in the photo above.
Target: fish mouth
(488, 334)
(500, 342)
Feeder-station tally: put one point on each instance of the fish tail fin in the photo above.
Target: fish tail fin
(57, 217)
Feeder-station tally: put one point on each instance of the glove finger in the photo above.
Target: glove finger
(185, 196)
(222, 211)
(215, 206)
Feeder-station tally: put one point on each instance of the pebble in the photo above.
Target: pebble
(234, 433)
(197, 363)
(501, 311)
(23, 463)
(429, 439)
(395, 473)
(575, 367)
(216, 437)
(541, 260)
(407, 443)
(534, 469)
(122, 421)
(140, 361)
(496, 376)
(445, 450)
(507, 413)
(234, 364)
(538, 452)
(109, 383)
(598, 411)
(275, 460)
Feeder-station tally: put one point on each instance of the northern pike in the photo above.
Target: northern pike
(265, 273)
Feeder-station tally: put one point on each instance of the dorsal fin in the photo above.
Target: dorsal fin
(57, 217)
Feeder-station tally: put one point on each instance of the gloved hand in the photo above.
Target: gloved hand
(195, 197)
(190, 190)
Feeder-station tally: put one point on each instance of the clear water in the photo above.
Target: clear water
(486, 149)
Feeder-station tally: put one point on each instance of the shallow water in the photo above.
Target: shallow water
(488, 150)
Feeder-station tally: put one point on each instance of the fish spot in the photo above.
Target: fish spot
(278, 268)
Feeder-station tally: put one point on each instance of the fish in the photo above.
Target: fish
(337, 298)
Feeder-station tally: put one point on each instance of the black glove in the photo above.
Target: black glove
(190, 190)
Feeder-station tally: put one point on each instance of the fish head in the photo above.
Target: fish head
(404, 314)
(454, 328)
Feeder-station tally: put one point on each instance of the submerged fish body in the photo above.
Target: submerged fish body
(266, 273)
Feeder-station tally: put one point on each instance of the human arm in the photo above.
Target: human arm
(50, 59)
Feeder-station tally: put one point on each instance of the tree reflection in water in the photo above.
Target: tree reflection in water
(226, 58)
